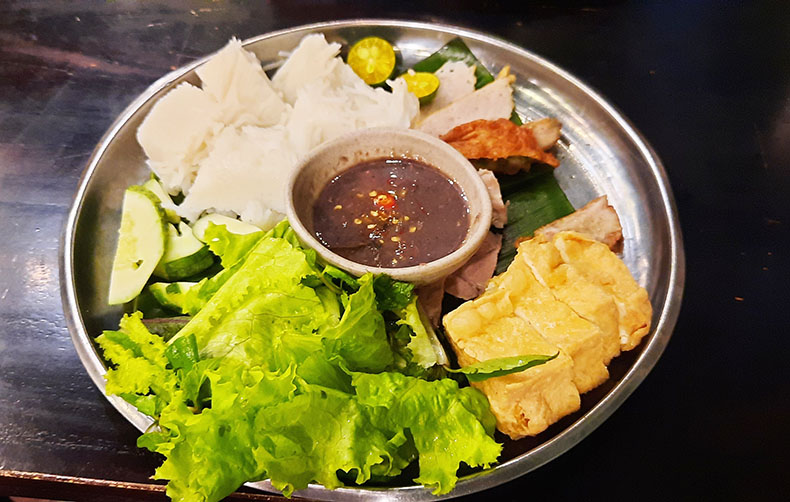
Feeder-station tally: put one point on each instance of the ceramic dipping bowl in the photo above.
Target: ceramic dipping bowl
(327, 161)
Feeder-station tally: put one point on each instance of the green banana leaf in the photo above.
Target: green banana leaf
(455, 50)
(534, 199)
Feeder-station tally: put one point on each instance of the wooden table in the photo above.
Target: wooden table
(707, 83)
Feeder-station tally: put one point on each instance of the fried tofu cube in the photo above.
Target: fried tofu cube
(587, 299)
(598, 264)
(524, 403)
(557, 323)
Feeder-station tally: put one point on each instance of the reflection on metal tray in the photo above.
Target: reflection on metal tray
(600, 153)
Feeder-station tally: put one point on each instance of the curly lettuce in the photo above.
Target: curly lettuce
(293, 372)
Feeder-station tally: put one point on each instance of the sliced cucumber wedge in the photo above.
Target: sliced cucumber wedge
(141, 244)
(233, 225)
(184, 254)
(167, 203)
(171, 295)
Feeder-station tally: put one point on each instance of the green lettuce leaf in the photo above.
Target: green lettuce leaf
(422, 346)
(139, 365)
(360, 338)
(196, 297)
(258, 307)
(318, 433)
(231, 248)
(211, 453)
(443, 419)
(338, 280)
(265, 381)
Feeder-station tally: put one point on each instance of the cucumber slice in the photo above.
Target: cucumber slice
(171, 295)
(167, 203)
(147, 305)
(233, 225)
(141, 244)
(184, 254)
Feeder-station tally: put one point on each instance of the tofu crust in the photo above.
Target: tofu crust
(557, 323)
(524, 403)
(588, 300)
(595, 262)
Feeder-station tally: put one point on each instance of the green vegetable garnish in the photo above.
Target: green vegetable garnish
(279, 376)
(501, 366)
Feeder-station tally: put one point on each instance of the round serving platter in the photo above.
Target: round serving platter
(600, 153)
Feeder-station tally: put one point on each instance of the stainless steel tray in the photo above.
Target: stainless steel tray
(600, 153)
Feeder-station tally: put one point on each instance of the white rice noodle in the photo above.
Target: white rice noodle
(325, 110)
(314, 59)
(245, 173)
(176, 133)
(234, 79)
(231, 146)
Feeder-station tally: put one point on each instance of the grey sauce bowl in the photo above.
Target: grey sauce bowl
(600, 152)
(332, 158)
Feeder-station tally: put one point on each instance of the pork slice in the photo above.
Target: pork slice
(430, 297)
(499, 210)
(546, 132)
(497, 139)
(470, 280)
(490, 102)
(597, 219)
(456, 80)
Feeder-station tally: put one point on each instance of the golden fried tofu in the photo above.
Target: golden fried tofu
(558, 323)
(524, 403)
(598, 264)
(587, 299)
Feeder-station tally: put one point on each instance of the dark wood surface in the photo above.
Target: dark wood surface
(708, 83)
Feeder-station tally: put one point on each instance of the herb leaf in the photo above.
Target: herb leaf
(391, 294)
(501, 366)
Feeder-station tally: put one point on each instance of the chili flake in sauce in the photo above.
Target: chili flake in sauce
(391, 212)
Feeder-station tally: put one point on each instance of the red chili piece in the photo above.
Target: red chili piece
(385, 200)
